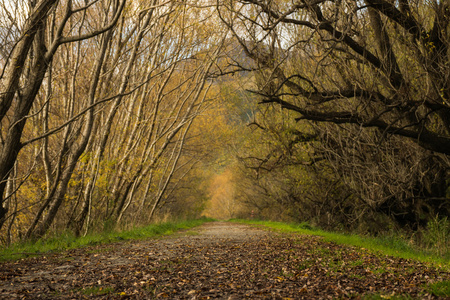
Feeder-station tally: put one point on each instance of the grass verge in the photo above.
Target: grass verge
(387, 245)
(440, 289)
(69, 241)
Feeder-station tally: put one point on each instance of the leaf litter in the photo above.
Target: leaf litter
(224, 261)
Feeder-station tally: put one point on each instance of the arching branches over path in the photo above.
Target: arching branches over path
(97, 99)
(371, 80)
(380, 64)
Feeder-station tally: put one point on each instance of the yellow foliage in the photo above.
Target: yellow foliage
(222, 202)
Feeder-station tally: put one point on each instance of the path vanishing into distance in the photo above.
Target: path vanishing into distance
(217, 260)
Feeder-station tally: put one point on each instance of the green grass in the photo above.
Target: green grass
(69, 241)
(387, 245)
(440, 289)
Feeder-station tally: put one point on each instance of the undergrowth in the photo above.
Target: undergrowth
(67, 241)
(436, 236)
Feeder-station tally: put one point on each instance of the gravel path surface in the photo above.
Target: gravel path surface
(216, 261)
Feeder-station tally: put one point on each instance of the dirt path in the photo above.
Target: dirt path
(217, 261)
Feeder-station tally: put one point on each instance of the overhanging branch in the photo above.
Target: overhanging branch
(425, 138)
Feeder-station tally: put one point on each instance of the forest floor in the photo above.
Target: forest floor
(218, 260)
